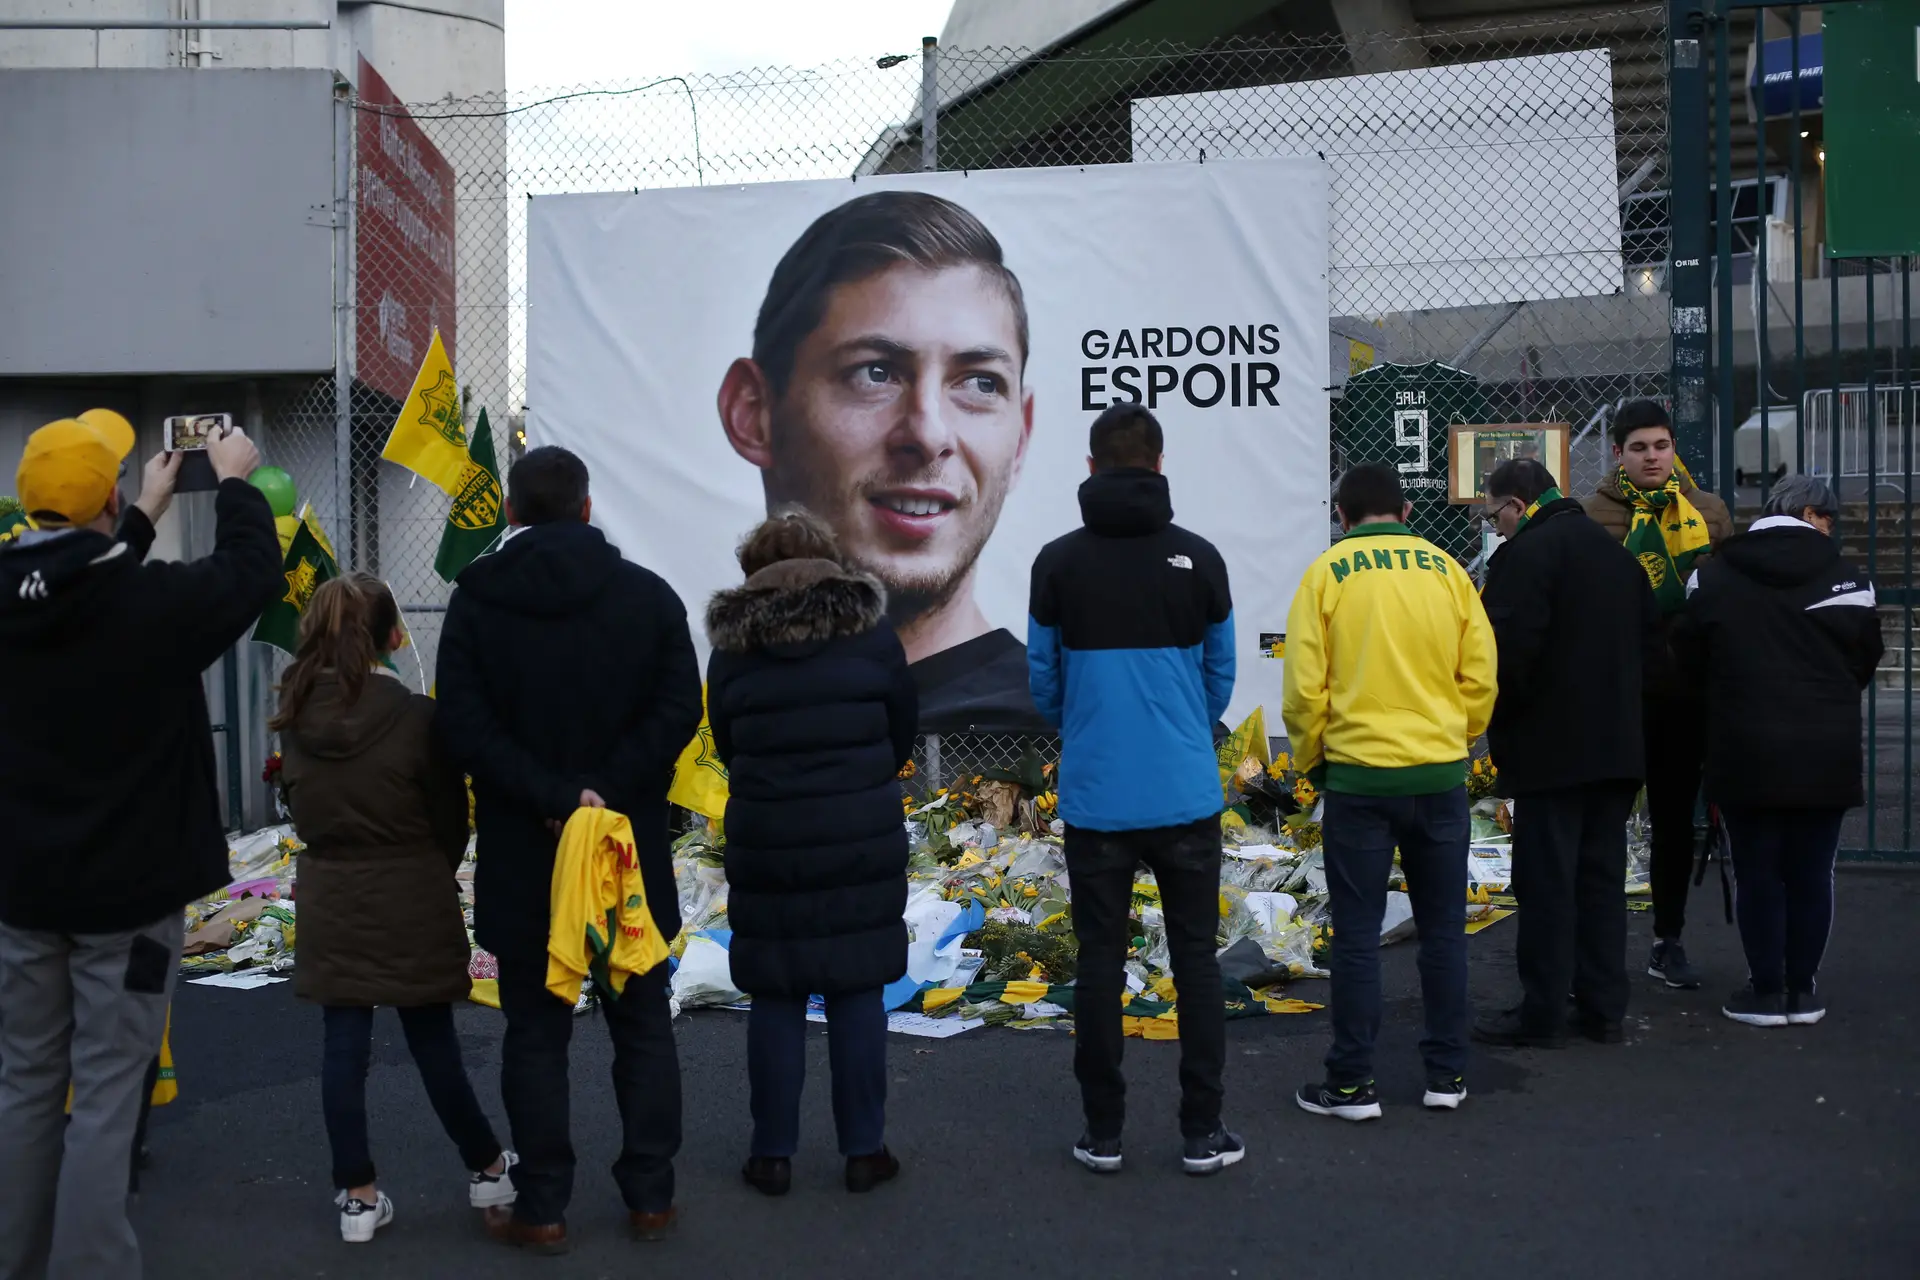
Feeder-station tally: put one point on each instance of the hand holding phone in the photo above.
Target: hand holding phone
(157, 481)
(233, 456)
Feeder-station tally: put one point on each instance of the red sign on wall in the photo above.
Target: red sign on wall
(403, 244)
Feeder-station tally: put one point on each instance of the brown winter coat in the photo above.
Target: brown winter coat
(1615, 514)
(384, 819)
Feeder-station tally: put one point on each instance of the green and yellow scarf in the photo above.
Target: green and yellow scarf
(1533, 509)
(1666, 536)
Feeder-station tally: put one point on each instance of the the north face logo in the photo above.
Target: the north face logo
(1180, 562)
(33, 587)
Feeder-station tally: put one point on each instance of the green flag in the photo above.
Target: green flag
(308, 564)
(477, 516)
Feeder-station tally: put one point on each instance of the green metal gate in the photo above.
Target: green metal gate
(1788, 355)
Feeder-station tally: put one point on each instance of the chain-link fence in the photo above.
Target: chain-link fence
(1549, 316)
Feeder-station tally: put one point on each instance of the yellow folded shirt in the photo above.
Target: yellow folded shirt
(599, 923)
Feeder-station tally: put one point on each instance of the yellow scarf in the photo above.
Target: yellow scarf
(1666, 535)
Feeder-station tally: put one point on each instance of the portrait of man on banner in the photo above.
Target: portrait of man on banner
(886, 392)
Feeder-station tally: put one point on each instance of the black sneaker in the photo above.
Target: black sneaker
(1213, 1153)
(1804, 1008)
(1444, 1093)
(1599, 1030)
(1756, 1010)
(1509, 1029)
(1668, 962)
(1353, 1102)
(1101, 1155)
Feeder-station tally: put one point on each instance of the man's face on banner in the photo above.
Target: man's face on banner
(904, 425)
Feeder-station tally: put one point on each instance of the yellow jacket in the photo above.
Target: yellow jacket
(599, 922)
(1390, 666)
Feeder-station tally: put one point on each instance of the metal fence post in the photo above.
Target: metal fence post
(929, 103)
(343, 316)
(1689, 255)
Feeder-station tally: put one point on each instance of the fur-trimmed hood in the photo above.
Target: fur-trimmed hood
(796, 605)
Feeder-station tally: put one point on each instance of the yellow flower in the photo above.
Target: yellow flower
(1030, 891)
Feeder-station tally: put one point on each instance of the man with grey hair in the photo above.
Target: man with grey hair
(1780, 630)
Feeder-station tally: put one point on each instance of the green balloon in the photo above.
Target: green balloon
(278, 486)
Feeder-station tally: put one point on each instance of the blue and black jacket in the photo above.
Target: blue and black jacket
(1130, 654)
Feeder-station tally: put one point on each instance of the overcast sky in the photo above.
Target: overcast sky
(557, 43)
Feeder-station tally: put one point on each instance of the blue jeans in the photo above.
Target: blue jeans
(1360, 833)
(436, 1052)
(777, 1070)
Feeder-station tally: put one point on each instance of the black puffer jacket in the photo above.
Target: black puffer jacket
(1782, 635)
(813, 709)
(563, 667)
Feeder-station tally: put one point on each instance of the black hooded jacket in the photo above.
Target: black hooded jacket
(563, 668)
(1783, 636)
(108, 793)
(813, 709)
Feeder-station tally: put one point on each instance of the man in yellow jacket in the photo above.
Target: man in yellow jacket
(1389, 679)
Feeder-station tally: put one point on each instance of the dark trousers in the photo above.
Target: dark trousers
(1569, 861)
(1359, 835)
(436, 1052)
(533, 1083)
(1185, 862)
(1676, 739)
(1783, 891)
(777, 1070)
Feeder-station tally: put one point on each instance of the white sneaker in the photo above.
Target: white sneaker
(494, 1190)
(359, 1220)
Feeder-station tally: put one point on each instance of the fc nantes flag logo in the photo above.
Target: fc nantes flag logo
(307, 565)
(699, 779)
(430, 436)
(478, 516)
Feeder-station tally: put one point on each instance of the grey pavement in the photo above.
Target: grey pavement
(1700, 1147)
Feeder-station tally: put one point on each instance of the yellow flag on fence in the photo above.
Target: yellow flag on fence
(430, 435)
(699, 779)
(1249, 741)
(312, 521)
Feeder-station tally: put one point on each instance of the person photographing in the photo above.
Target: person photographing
(1650, 504)
(109, 793)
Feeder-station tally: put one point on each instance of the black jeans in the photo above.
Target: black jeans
(436, 1052)
(1783, 891)
(1185, 862)
(533, 1083)
(1359, 834)
(1569, 861)
(1676, 739)
(777, 1070)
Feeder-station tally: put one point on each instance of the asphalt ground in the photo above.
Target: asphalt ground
(1700, 1147)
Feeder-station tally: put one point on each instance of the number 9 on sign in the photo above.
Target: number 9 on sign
(1410, 432)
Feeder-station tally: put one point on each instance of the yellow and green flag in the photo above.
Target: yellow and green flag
(1249, 741)
(430, 435)
(699, 779)
(308, 564)
(478, 516)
